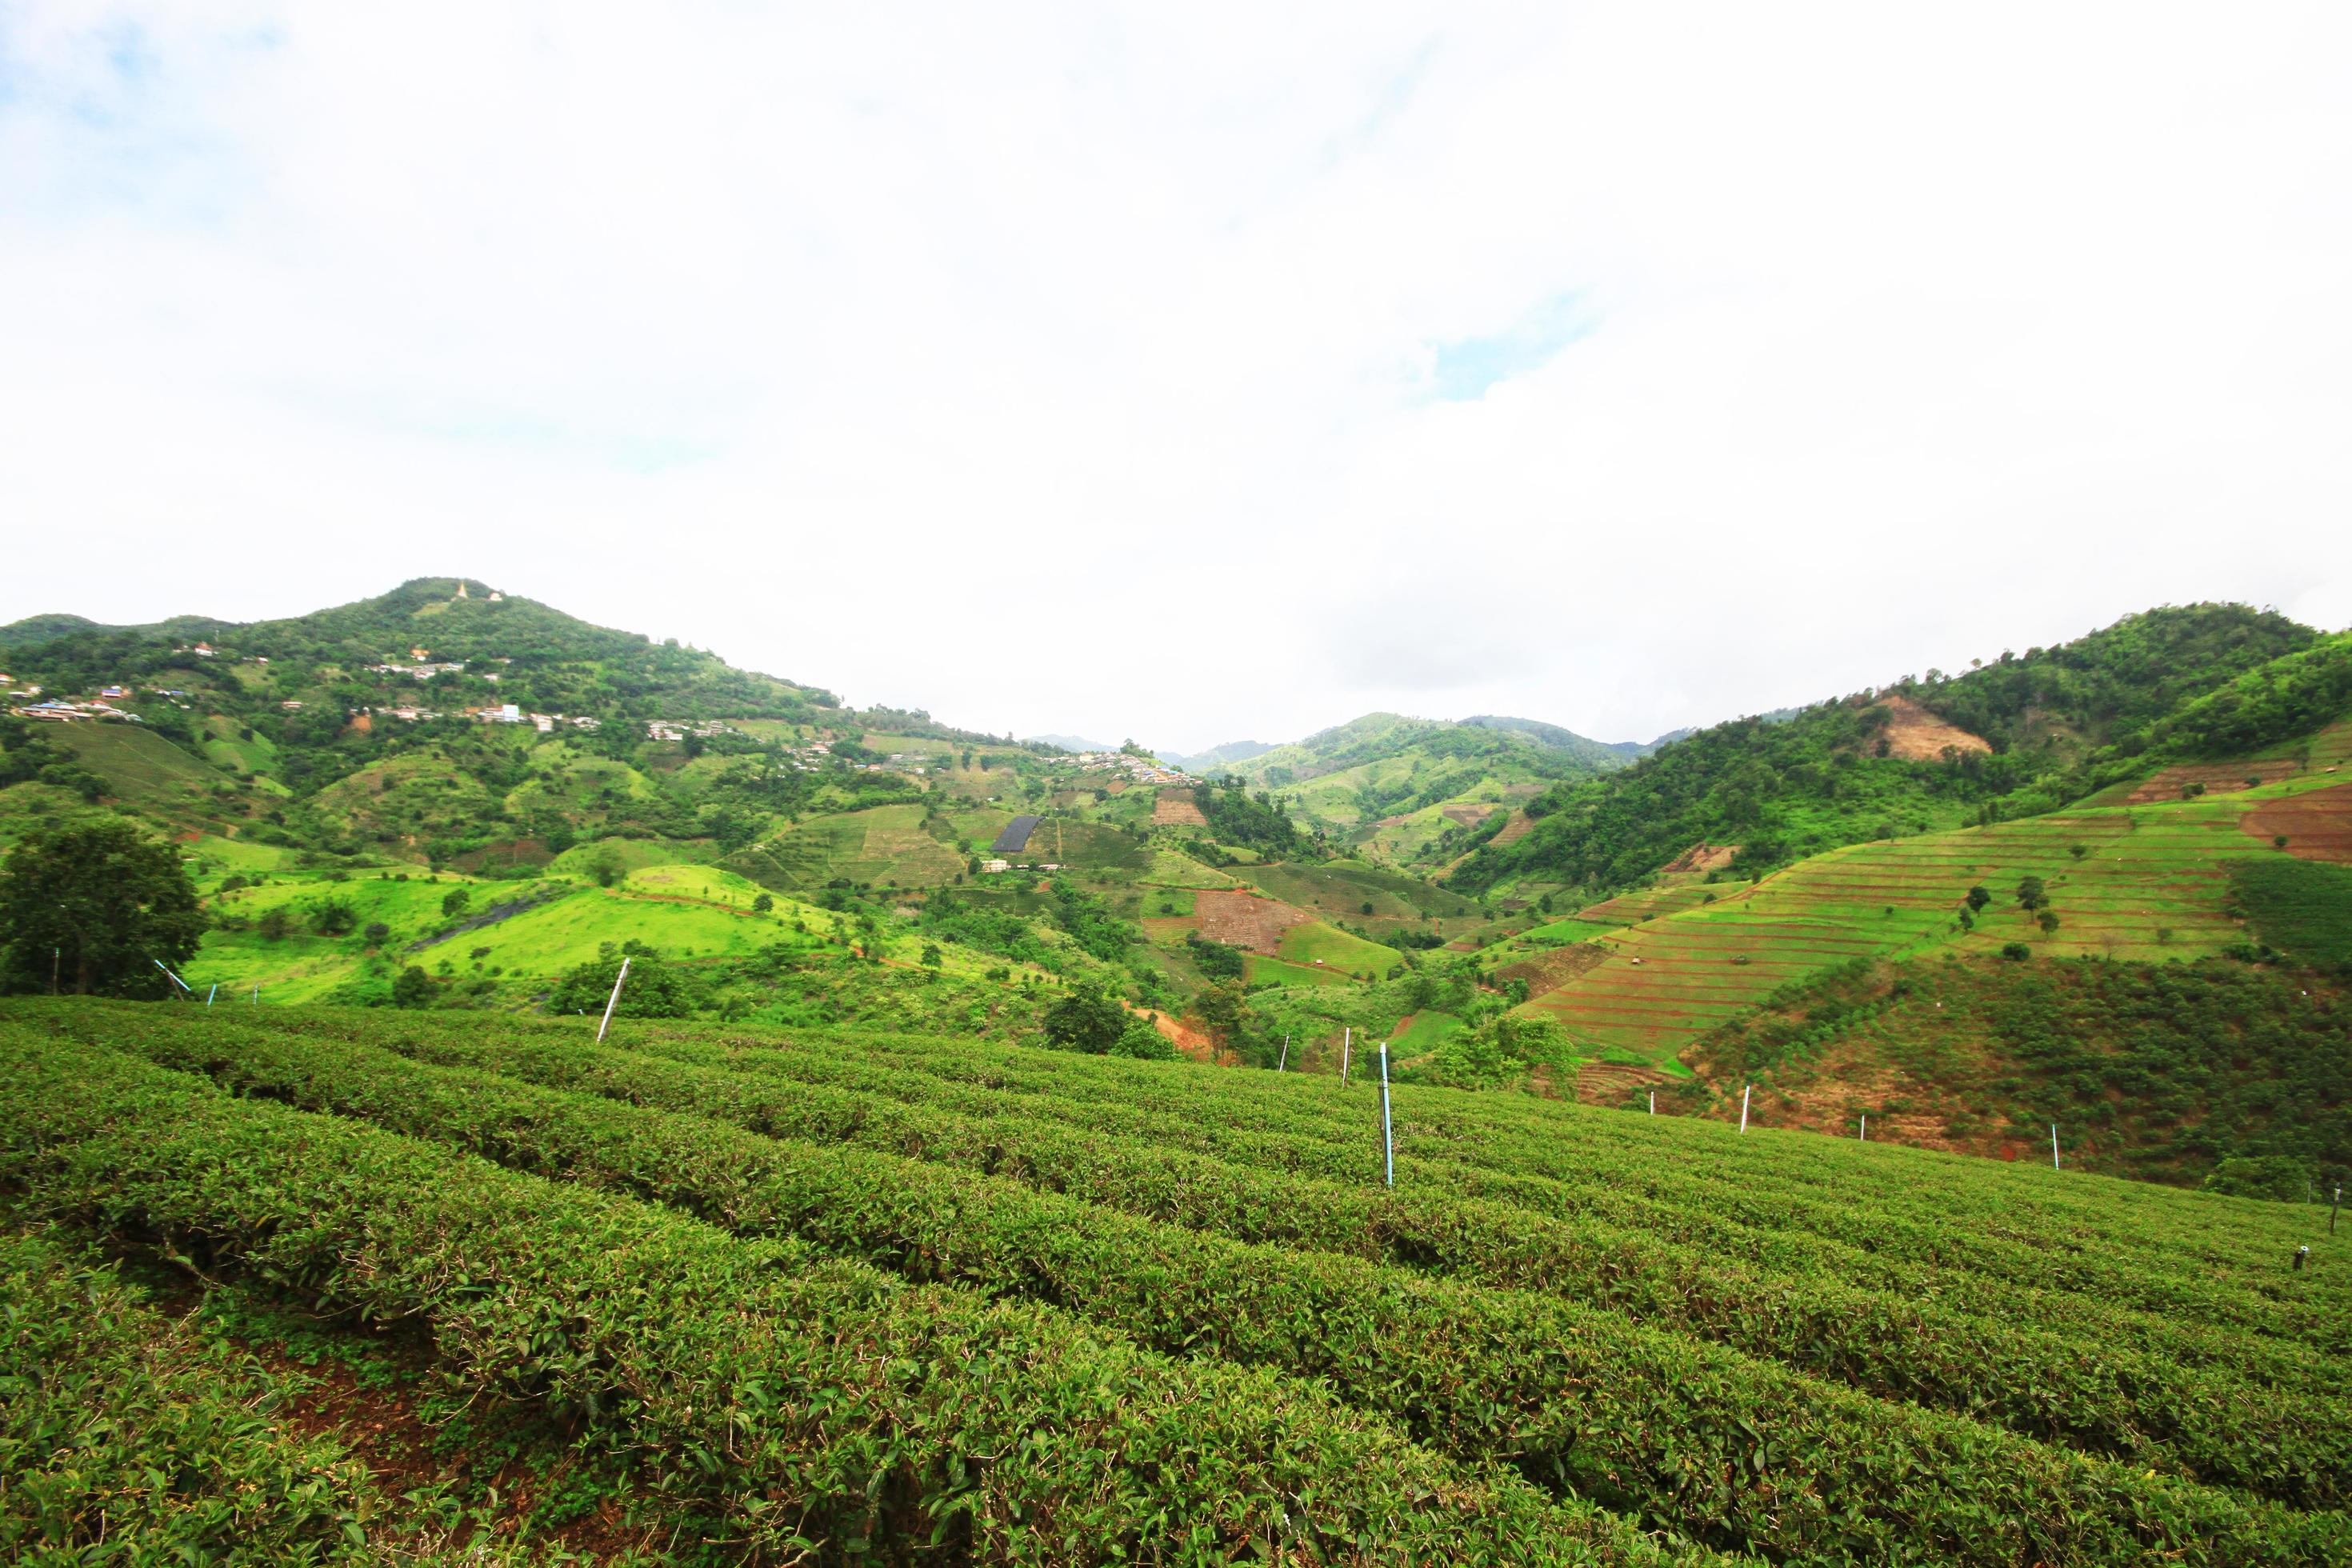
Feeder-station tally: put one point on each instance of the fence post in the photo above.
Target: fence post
(1744, 1089)
(1346, 1043)
(1653, 1102)
(612, 1002)
(2054, 1145)
(1286, 1055)
(1388, 1128)
(1864, 1135)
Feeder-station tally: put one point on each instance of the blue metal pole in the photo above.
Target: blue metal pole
(1388, 1128)
(211, 993)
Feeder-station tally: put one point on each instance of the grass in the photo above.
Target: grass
(1259, 970)
(1427, 1029)
(1169, 869)
(146, 771)
(1316, 942)
(635, 855)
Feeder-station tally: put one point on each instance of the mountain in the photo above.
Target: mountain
(2012, 737)
(1069, 743)
(1217, 757)
(1416, 792)
(1552, 735)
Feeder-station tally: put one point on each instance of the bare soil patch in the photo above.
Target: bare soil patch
(1174, 808)
(1466, 812)
(2317, 826)
(1246, 920)
(1916, 735)
(2217, 778)
(1519, 828)
(1550, 971)
(1704, 857)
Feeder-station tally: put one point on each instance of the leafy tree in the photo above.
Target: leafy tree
(1218, 960)
(275, 924)
(334, 918)
(763, 903)
(1225, 1011)
(1086, 1020)
(454, 903)
(1978, 896)
(2032, 893)
(931, 956)
(2047, 920)
(2016, 951)
(376, 933)
(414, 988)
(654, 989)
(101, 904)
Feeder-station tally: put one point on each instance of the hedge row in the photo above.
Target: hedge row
(827, 1407)
(1480, 1371)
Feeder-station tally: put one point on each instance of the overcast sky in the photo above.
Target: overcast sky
(1191, 373)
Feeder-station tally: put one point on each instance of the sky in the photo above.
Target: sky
(1192, 373)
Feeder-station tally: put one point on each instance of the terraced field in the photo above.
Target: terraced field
(882, 845)
(2150, 882)
(829, 1295)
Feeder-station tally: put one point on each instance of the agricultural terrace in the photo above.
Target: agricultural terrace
(881, 846)
(732, 1261)
(2150, 882)
(1317, 944)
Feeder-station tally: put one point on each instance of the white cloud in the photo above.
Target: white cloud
(1095, 370)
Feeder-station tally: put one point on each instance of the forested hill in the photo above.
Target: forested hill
(2020, 733)
(1417, 791)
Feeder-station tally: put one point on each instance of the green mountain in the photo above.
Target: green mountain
(1418, 792)
(2022, 734)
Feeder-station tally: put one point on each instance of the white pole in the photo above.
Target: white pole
(2054, 1145)
(1346, 1042)
(176, 979)
(1388, 1130)
(1286, 1055)
(1743, 1105)
(612, 1002)
(211, 993)
(1864, 1134)
(1653, 1102)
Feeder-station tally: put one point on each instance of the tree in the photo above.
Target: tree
(2032, 893)
(1086, 1020)
(275, 923)
(454, 903)
(763, 903)
(376, 933)
(2047, 920)
(1978, 896)
(334, 918)
(653, 990)
(931, 959)
(2016, 951)
(98, 904)
(414, 988)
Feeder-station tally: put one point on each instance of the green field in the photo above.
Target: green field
(730, 1257)
(1260, 970)
(882, 845)
(1318, 944)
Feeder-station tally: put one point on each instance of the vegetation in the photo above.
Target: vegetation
(97, 908)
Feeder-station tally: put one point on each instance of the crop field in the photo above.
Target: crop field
(2150, 882)
(147, 770)
(842, 1294)
(882, 845)
(1169, 869)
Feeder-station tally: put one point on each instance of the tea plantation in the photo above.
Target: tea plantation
(314, 1285)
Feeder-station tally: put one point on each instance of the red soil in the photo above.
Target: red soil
(2317, 825)
(1918, 736)
(1174, 808)
(1243, 919)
